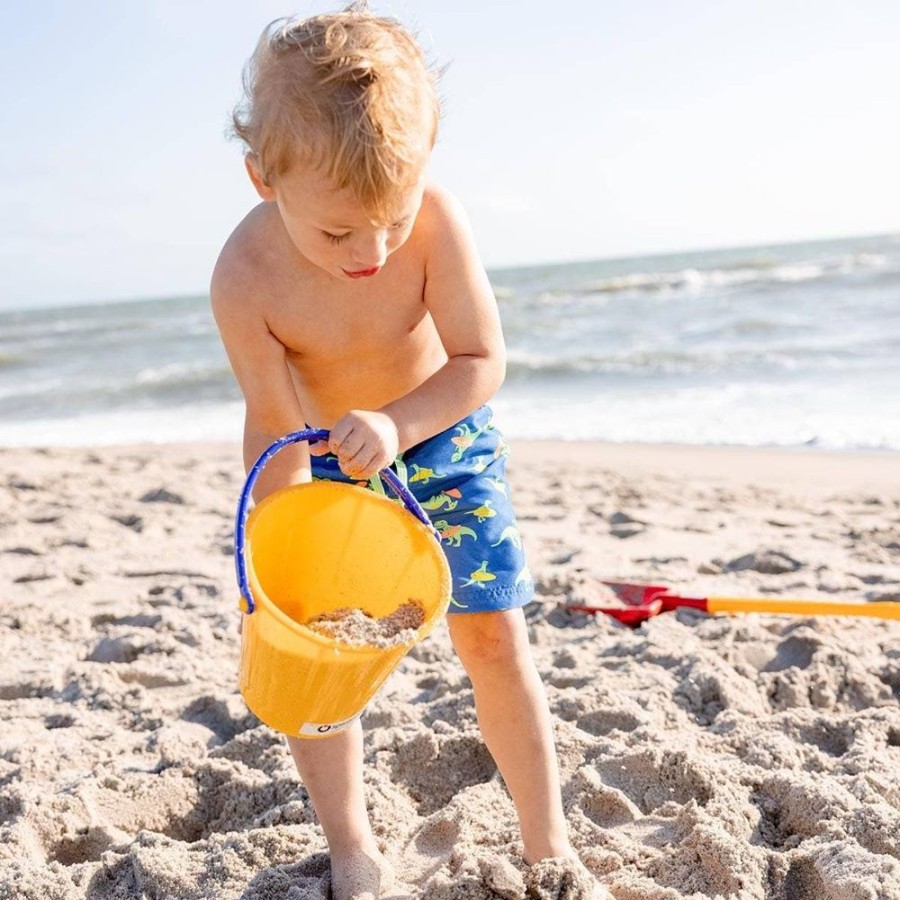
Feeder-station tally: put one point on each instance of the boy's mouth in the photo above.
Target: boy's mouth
(362, 273)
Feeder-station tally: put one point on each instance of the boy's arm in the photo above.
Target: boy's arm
(260, 366)
(462, 305)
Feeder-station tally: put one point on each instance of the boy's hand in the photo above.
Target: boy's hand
(364, 441)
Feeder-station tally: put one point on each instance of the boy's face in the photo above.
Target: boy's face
(330, 228)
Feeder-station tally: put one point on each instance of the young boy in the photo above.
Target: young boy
(352, 298)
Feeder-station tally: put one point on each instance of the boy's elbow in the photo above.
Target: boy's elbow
(500, 368)
(486, 371)
(494, 371)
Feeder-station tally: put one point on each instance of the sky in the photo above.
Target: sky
(571, 131)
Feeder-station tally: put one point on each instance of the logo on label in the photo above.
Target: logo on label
(316, 729)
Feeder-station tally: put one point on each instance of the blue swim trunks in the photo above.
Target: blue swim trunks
(459, 478)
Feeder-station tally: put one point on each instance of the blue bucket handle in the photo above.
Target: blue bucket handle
(240, 528)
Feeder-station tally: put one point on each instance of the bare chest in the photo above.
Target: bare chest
(372, 320)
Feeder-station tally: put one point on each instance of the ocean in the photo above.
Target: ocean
(794, 345)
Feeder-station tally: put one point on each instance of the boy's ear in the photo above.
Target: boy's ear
(263, 188)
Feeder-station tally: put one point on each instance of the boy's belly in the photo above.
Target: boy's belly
(329, 385)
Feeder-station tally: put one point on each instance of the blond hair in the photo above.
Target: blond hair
(348, 93)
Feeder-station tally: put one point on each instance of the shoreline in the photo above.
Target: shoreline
(799, 468)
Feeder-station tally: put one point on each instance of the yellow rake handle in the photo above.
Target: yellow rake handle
(876, 609)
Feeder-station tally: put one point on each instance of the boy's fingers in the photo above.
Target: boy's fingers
(362, 465)
(318, 448)
(370, 470)
(351, 447)
(339, 435)
(378, 462)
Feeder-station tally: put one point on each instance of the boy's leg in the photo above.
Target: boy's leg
(331, 771)
(515, 720)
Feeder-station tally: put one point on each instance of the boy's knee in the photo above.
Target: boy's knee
(489, 637)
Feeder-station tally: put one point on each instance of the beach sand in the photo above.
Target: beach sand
(751, 756)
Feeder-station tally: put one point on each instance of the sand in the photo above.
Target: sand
(355, 627)
(737, 757)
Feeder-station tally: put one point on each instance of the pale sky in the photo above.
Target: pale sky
(574, 130)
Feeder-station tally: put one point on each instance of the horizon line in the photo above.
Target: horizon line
(719, 248)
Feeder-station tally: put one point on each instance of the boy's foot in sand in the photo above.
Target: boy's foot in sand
(562, 878)
(360, 875)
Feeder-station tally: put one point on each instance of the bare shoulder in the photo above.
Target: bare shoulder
(446, 230)
(241, 294)
(242, 259)
(441, 210)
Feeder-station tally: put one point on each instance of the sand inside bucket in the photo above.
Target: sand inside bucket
(356, 627)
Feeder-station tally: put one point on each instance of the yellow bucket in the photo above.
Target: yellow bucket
(313, 548)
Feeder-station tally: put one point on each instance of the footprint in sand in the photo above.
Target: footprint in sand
(124, 649)
(58, 720)
(226, 717)
(17, 483)
(767, 562)
(141, 620)
(605, 806)
(791, 811)
(793, 653)
(135, 523)
(44, 519)
(621, 525)
(433, 768)
(833, 738)
(652, 778)
(32, 577)
(161, 495)
(561, 879)
(602, 722)
(430, 847)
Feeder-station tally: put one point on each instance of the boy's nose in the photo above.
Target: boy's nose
(371, 250)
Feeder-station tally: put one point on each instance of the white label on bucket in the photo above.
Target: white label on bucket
(315, 729)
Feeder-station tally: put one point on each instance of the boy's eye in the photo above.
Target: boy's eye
(401, 224)
(335, 238)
